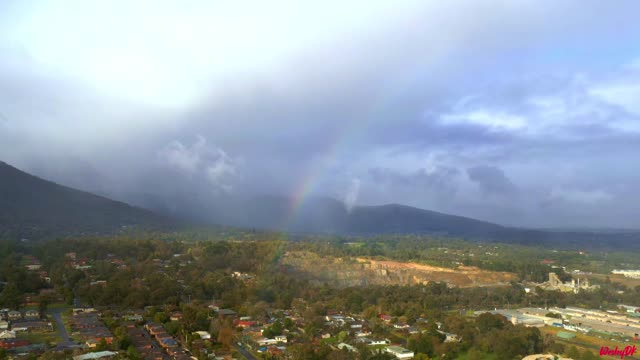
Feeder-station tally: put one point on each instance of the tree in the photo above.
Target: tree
(274, 330)
(588, 355)
(225, 336)
(573, 353)
(11, 296)
(488, 321)
(132, 353)
(102, 345)
(42, 307)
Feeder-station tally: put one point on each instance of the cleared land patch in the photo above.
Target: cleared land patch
(362, 271)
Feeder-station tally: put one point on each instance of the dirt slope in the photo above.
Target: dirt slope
(361, 271)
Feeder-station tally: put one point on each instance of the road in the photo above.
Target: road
(62, 331)
(154, 343)
(244, 352)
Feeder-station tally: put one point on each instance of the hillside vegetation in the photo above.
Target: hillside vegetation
(31, 206)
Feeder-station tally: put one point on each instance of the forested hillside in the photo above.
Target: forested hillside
(30, 206)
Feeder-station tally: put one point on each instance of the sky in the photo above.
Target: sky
(523, 113)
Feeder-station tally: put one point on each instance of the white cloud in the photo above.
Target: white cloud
(578, 196)
(201, 159)
(495, 120)
(625, 94)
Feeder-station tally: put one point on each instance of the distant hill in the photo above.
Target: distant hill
(323, 215)
(33, 207)
(400, 219)
(395, 218)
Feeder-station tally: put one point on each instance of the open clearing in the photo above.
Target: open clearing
(363, 271)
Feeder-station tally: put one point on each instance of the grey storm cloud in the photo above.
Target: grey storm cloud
(491, 180)
(368, 102)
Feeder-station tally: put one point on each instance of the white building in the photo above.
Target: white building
(347, 346)
(280, 339)
(7, 334)
(399, 352)
(203, 334)
(634, 274)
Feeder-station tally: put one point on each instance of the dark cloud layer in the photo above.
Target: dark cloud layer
(491, 180)
(522, 113)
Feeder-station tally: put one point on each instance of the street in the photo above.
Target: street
(244, 352)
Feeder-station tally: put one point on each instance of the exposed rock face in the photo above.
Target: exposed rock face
(344, 272)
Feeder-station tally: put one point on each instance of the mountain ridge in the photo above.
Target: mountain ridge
(32, 206)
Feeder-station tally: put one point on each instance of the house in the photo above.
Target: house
(363, 333)
(20, 327)
(4, 325)
(168, 342)
(245, 323)
(372, 342)
(399, 352)
(203, 335)
(226, 313)
(96, 355)
(14, 315)
(92, 343)
(375, 342)
(155, 329)
(13, 343)
(32, 314)
(265, 342)
(335, 320)
(450, 337)
(347, 346)
(33, 267)
(134, 317)
(83, 310)
(176, 316)
(385, 318)
(7, 334)
(280, 339)
(401, 326)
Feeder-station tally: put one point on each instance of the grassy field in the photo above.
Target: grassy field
(38, 337)
(483, 356)
(631, 283)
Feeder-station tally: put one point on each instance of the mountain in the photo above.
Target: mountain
(322, 215)
(400, 219)
(34, 207)
(395, 218)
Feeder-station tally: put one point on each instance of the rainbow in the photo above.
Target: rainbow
(346, 136)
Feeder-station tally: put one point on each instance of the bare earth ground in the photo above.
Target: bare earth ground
(362, 271)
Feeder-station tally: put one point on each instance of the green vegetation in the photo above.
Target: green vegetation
(169, 273)
(36, 208)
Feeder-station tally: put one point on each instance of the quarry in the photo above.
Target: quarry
(345, 272)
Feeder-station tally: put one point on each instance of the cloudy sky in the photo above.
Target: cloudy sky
(519, 112)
